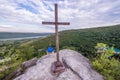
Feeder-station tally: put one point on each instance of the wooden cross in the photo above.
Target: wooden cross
(56, 23)
(57, 67)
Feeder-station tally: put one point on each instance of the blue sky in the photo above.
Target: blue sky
(27, 15)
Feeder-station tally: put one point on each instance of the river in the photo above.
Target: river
(22, 38)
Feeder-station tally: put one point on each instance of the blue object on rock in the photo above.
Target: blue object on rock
(50, 49)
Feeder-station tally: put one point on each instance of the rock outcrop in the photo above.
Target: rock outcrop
(77, 68)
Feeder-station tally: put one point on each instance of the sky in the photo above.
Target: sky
(27, 15)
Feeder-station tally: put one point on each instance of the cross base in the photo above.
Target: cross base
(57, 68)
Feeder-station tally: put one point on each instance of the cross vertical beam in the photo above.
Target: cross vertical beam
(56, 30)
(57, 66)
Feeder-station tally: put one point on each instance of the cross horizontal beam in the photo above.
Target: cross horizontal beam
(58, 23)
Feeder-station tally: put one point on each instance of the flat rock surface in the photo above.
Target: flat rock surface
(77, 68)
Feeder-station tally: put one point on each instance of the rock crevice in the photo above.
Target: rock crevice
(68, 67)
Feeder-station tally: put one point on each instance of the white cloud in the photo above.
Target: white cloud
(80, 13)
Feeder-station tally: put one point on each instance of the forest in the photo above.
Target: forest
(12, 53)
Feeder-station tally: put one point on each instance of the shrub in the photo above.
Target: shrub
(108, 67)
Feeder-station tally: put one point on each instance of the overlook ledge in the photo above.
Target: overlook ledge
(77, 66)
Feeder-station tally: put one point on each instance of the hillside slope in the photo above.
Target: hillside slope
(83, 40)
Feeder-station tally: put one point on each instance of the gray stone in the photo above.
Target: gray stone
(77, 68)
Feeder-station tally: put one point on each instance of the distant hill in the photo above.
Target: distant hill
(6, 35)
(83, 40)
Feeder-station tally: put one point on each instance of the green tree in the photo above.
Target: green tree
(100, 45)
(27, 52)
(109, 67)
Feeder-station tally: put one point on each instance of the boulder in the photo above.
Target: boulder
(77, 66)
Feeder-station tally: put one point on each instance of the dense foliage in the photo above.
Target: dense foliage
(109, 67)
(12, 53)
(83, 40)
